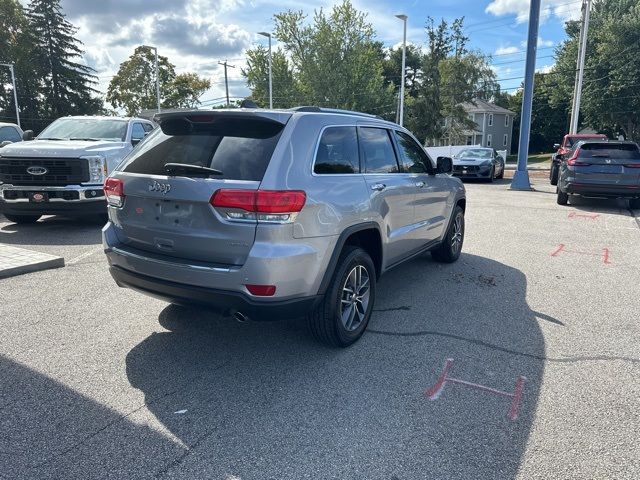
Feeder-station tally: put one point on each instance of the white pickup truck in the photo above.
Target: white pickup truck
(62, 170)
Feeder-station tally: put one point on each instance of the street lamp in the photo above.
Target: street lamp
(15, 92)
(404, 53)
(157, 73)
(268, 35)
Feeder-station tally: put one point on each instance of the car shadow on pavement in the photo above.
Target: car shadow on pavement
(263, 400)
(53, 230)
(48, 430)
(614, 206)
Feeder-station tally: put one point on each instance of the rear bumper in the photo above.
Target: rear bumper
(221, 299)
(594, 190)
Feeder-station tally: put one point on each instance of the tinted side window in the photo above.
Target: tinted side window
(377, 151)
(414, 160)
(10, 134)
(137, 132)
(147, 127)
(338, 151)
(241, 150)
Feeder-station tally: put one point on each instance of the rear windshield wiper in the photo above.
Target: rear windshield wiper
(187, 169)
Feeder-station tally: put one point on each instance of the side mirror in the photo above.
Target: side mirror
(135, 141)
(5, 143)
(27, 135)
(445, 165)
(556, 146)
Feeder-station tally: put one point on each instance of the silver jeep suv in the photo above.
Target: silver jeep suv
(278, 213)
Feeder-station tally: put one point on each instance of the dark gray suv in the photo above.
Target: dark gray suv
(278, 213)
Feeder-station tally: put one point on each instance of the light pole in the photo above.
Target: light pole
(268, 35)
(521, 176)
(404, 54)
(157, 73)
(15, 92)
(582, 50)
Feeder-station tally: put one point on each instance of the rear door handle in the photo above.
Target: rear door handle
(419, 184)
(378, 187)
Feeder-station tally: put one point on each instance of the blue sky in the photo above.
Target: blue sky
(196, 34)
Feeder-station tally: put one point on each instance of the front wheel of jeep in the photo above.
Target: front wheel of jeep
(342, 315)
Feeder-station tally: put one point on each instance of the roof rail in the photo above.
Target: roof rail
(333, 110)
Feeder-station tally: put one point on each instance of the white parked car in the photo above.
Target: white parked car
(62, 170)
(9, 133)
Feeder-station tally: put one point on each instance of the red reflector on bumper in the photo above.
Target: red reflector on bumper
(261, 290)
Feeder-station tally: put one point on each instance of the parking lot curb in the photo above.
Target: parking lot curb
(17, 261)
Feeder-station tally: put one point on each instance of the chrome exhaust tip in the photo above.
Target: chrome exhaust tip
(240, 317)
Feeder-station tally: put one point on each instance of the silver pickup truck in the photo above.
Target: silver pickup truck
(62, 170)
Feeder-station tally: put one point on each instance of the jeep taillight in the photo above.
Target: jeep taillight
(277, 206)
(114, 191)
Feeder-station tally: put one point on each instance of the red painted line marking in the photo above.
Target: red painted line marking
(591, 216)
(605, 253)
(605, 256)
(517, 397)
(557, 251)
(434, 392)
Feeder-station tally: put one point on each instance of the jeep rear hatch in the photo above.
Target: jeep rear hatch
(168, 184)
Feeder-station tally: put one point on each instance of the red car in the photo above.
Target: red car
(562, 149)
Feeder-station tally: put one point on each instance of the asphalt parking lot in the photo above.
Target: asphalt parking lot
(102, 382)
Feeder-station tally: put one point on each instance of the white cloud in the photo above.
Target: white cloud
(545, 68)
(561, 9)
(541, 43)
(507, 50)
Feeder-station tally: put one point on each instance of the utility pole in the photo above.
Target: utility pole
(404, 54)
(521, 176)
(582, 50)
(157, 71)
(226, 80)
(15, 92)
(268, 35)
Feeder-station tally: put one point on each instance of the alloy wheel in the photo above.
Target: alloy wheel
(354, 300)
(456, 238)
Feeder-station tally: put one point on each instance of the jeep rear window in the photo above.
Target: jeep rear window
(622, 152)
(241, 150)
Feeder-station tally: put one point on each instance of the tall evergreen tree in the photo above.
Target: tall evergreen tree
(67, 85)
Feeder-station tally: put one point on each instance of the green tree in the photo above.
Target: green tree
(186, 89)
(332, 62)
(16, 46)
(68, 86)
(133, 88)
(286, 91)
(450, 75)
(610, 95)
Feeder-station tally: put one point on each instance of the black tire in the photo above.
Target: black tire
(325, 320)
(491, 176)
(448, 251)
(563, 197)
(22, 218)
(553, 174)
(634, 204)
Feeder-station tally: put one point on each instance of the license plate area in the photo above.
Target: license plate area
(38, 197)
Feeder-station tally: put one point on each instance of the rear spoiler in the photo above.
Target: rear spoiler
(223, 122)
(207, 116)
